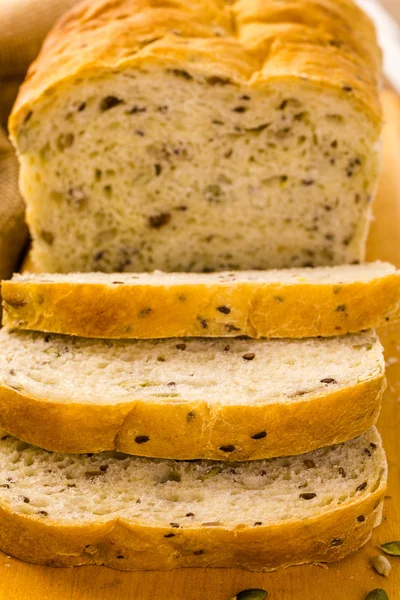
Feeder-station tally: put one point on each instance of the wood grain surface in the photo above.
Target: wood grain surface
(351, 579)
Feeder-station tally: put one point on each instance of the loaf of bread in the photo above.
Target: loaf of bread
(137, 513)
(233, 399)
(200, 135)
(292, 303)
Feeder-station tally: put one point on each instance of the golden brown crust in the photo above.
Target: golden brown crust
(158, 311)
(123, 545)
(194, 429)
(251, 41)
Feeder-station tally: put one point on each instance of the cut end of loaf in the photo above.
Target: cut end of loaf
(168, 168)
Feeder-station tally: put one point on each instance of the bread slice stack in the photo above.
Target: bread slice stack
(155, 421)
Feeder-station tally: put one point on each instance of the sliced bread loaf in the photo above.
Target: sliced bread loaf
(189, 398)
(291, 303)
(158, 135)
(136, 513)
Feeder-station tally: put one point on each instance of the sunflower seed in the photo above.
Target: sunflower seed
(381, 565)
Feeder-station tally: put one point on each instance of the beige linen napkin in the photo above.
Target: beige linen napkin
(13, 231)
(23, 25)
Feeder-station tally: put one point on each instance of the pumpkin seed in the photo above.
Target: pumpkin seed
(391, 548)
(211, 473)
(381, 565)
(251, 594)
(377, 594)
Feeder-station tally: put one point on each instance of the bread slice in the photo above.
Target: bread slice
(201, 134)
(189, 398)
(136, 513)
(291, 303)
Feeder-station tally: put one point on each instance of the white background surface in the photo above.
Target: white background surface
(384, 15)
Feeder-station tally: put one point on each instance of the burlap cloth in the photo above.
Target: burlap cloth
(23, 25)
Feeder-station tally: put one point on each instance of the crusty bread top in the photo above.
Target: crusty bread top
(65, 489)
(329, 44)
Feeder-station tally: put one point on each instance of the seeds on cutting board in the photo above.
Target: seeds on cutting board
(248, 356)
(381, 565)
(391, 548)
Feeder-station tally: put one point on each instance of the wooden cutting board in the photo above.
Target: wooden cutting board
(351, 579)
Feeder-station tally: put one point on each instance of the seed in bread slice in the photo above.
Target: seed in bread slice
(294, 303)
(189, 398)
(137, 513)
